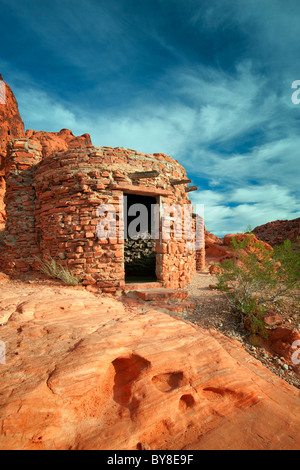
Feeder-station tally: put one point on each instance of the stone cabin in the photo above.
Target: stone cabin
(54, 209)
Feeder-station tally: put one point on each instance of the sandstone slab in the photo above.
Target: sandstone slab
(161, 294)
(87, 372)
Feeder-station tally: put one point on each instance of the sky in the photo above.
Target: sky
(207, 82)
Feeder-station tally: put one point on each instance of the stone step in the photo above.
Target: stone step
(161, 294)
(171, 301)
(132, 286)
(175, 306)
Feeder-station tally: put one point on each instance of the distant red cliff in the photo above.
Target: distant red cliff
(12, 127)
(276, 232)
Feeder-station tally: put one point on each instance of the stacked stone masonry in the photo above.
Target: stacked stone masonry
(140, 255)
(52, 207)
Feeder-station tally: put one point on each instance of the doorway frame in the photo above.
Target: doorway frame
(158, 241)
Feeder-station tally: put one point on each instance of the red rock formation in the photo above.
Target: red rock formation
(11, 124)
(11, 127)
(239, 237)
(277, 231)
(83, 372)
(210, 237)
(281, 340)
(218, 249)
(215, 252)
(56, 141)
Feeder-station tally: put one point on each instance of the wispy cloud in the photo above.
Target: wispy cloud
(208, 83)
(231, 211)
(251, 186)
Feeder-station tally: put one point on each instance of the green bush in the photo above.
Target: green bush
(248, 229)
(257, 277)
(56, 271)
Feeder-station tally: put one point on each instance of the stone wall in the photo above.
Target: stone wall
(19, 237)
(140, 257)
(53, 211)
(199, 228)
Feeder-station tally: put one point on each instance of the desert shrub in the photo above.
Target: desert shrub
(248, 229)
(257, 277)
(57, 271)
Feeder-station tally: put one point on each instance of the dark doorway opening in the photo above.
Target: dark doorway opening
(139, 234)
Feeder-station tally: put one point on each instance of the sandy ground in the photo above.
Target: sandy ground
(213, 311)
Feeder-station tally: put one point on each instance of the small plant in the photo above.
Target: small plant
(257, 277)
(248, 229)
(56, 271)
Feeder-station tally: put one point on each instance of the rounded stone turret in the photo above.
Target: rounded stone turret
(105, 214)
(73, 186)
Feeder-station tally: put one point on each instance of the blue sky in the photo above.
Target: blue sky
(208, 82)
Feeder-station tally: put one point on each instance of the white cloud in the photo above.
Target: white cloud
(44, 112)
(276, 162)
(147, 128)
(233, 210)
(207, 111)
(268, 194)
(235, 202)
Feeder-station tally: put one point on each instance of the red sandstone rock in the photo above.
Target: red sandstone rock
(210, 237)
(280, 341)
(277, 231)
(11, 127)
(57, 141)
(162, 294)
(11, 124)
(227, 240)
(216, 251)
(214, 269)
(84, 372)
(272, 319)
